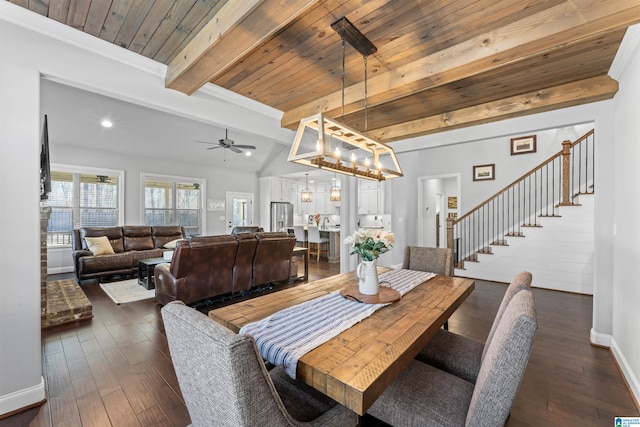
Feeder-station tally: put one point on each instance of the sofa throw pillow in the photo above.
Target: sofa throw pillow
(99, 245)
(171, 244)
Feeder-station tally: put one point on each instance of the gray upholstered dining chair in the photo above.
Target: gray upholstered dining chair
(434, 260)
(426, 396)
(224, 381)
(463, 356)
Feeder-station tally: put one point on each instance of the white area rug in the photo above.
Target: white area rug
(127, 291)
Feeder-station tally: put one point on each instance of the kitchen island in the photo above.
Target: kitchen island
(333, 233)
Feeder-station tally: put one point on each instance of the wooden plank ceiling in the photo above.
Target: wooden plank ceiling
(440, 64)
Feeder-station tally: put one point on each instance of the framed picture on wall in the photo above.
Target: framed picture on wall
(484, 172)
(523, 145)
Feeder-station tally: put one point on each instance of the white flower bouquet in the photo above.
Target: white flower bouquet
(370, 243)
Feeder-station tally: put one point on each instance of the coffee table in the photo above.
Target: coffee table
(145, 271)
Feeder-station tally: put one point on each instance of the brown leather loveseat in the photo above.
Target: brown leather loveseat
(211, 266)
(130, 244)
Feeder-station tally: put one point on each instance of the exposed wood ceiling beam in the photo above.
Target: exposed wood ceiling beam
(237, 29)
(567, 95)
(546, 30)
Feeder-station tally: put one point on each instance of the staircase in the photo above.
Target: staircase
(534, 224)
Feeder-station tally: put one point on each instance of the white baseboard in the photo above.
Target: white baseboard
(627, 372)
(60, 270)
(22, 398)
(603, 340)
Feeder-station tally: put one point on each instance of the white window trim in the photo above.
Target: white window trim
(61, 167)
(203, 191)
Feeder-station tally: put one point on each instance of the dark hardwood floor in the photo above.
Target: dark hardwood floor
(115, 369)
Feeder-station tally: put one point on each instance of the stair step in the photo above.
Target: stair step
(550, 216)
(515, 234)
(532, 225)
(500, 243)
(471, 258)
(570, 204)
(486, 251)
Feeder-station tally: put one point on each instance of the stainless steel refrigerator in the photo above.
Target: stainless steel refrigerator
(281, 216)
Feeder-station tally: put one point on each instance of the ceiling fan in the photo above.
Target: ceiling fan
(228, 143)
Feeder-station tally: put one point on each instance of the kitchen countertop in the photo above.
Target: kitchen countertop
(330, 229)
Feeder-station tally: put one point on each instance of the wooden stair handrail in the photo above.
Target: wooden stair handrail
(531, 172)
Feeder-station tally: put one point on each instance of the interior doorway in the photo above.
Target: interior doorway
(438, 198)
(239, 210)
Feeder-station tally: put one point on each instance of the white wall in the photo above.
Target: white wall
(625, 335)
(21, 381)
(91, 64)
(460, 158)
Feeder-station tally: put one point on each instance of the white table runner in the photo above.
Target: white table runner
(287, 335)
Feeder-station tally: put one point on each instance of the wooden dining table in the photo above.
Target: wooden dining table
(356, 366)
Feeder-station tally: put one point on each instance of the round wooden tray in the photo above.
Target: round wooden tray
(385, 295)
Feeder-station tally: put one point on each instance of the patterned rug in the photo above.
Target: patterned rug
(127, 291)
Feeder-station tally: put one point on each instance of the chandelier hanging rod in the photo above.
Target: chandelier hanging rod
(353, 36)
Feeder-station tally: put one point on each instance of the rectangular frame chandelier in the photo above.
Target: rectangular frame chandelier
(326, 143)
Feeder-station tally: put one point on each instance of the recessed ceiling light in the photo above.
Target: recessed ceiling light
(106, 123)
(247, 153)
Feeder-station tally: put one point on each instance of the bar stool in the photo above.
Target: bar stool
(301, 236)
(316, 242)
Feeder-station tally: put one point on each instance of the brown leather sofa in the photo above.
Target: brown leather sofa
(246, 229)
(130, 243)
(272, 260)
(207, 267)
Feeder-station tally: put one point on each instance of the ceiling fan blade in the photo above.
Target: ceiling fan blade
(235, 149)
(206, 142)
(248, 147)
(213, 148)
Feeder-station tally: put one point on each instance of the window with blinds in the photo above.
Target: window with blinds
(81, 199)
(169, 201)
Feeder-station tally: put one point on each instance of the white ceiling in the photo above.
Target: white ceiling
(74, 117)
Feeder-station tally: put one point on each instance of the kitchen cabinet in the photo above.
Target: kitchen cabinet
(307, 208)
(320, 202)
(280, 190)
(370, 197)
(321, 197)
